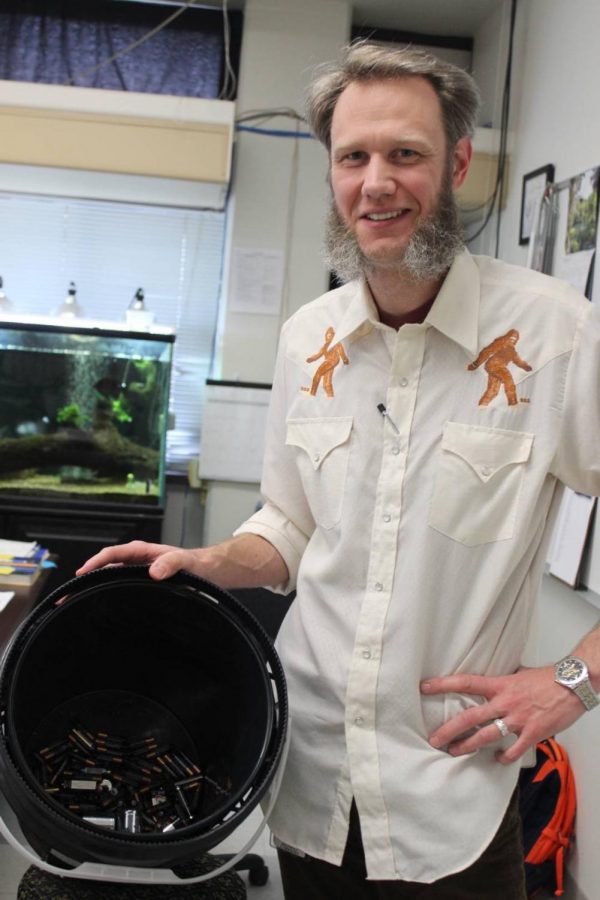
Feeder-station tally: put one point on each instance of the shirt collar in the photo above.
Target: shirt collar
(456, 309)
(360, 315)
(455, 312)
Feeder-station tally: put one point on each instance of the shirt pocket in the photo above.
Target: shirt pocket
(478, 482)
(322, 459)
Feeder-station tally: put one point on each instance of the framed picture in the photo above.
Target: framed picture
(534, 184)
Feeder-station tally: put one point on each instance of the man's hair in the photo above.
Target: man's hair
(364, 62)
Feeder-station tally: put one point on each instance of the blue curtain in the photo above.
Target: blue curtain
(57, 41)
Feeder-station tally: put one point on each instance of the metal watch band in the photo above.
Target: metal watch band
(586, 694)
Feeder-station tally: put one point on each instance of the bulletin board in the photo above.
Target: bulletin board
(233, 431)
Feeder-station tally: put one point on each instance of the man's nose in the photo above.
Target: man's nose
(378, 179)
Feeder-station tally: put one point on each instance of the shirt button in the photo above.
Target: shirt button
(396, 450)
(485, 471)
(378, 586)
(403, 382)
(366, 654)
(358, 720)
(387, 518)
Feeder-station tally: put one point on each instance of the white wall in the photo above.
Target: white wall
(556, 119)
(555, 102)
(279, 203)
(490, 47)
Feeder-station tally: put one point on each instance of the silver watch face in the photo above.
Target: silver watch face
(570, 670)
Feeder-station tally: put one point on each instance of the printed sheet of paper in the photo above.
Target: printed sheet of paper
(256, 281)
(233, 433)
(574, 268)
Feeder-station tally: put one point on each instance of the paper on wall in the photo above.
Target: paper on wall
(570, 535)
(574, 268)
(256, 281)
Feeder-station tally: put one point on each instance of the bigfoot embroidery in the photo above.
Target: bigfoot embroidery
(496, 358)
(332, 356)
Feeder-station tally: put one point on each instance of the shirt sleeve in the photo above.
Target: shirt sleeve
(577, 460)
(285, 520)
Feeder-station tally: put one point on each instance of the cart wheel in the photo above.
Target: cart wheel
(258, 876)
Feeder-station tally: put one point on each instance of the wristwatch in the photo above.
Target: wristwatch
(573, 673)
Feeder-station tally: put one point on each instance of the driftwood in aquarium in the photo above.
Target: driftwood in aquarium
(104, 450)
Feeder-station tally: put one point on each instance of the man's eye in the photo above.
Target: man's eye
(354, 156)
(405, 153)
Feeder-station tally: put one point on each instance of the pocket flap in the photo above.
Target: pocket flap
(318, 437)
(487, 450)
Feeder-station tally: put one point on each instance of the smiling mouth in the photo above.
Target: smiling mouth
(384, 216)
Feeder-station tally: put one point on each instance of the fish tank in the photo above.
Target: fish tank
(83, 411)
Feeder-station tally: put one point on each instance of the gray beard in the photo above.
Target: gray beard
(429, 253)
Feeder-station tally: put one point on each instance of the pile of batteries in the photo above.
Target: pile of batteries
(128, 787)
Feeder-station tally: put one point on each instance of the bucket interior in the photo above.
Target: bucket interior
(135, 659)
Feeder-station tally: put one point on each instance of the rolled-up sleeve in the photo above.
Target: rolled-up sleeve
(272, 525)
(285, 520)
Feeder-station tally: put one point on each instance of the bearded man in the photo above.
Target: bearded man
(412, 519)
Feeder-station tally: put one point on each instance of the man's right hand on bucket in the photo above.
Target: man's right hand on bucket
(244, 561)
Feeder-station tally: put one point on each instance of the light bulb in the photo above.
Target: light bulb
(70, 308)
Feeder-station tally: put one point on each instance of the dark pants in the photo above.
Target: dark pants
(498, 874)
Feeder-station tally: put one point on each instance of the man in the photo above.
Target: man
(412, 517)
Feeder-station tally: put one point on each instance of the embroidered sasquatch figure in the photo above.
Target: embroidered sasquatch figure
(332, 356)
(496, 358)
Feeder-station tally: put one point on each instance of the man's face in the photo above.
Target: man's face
(389, 163)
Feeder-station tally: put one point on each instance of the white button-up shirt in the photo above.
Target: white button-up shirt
(416, 541)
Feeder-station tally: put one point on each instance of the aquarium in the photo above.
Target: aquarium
(83, 411)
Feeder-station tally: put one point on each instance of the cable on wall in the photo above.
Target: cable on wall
(496, 196)
(229, 79)
(275, 132)
(262, 116)
(265, 115)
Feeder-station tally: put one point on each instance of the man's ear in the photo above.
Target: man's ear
(461, 160)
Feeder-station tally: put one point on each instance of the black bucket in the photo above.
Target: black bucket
(181, 660)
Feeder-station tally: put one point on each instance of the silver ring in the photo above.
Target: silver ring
(502, 727)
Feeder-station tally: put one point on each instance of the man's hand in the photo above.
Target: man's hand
(530, 703)
(164, 560)
(244, 561)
